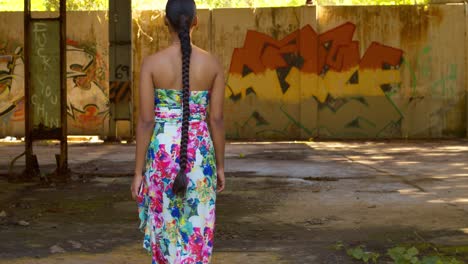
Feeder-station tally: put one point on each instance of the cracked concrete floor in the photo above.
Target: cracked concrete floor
(284, 203)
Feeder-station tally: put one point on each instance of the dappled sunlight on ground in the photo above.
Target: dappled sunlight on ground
(286, 202)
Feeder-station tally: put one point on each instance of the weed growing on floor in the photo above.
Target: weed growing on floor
(360, 253)
(397, 255)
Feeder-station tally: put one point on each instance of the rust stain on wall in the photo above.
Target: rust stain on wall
(415, 22)
(267, 73)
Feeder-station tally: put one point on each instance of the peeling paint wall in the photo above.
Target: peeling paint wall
(12, 113)
(87, 73)
(423, 95)
(466, 69)
(304, 72)
(334, 72)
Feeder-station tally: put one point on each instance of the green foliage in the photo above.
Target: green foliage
(152, 4)
(404, 256)
(372, 2)
(12, 5)
(398, 255)
(248, 3)
(78, 5)
(160, 4)
(439, 260)
(401, 255)
(75, 5)
(8, 5)
(338, 245)
(53, 5)
(360, 254)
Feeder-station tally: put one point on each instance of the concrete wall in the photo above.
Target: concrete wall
(87, 73)
(411, 72)
(335, 72)
(264, 86)
(304, 72)
(466, 67)
(12, 75)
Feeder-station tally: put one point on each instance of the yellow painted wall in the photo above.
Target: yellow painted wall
(428, 88)
(381, 72)
(302, 72)
(87, 82)
(256, 106)
(466, 69)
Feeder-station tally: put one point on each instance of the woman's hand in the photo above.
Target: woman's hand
(136, 183)
(221, 180)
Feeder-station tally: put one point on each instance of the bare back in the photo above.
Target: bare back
(163, 70)
(166, 69)
(167, 149)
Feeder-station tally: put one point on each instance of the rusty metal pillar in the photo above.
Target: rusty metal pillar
(29, 171)
(63, 160)
(45, 85)
(120, 69)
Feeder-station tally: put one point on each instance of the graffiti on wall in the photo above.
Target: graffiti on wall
(120, 91)
(44, 78)
(11, 89)
(87, 99)
(420, 71)
(433, 90)
(273, 83)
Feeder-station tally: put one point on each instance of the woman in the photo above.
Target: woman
(183, 161)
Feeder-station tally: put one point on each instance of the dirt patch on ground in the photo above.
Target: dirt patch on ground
(284, 203)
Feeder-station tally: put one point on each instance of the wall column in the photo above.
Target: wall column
(120, 69)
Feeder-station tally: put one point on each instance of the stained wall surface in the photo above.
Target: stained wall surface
(410, 72)
(87, 73)
(291, 73)
(345, 72)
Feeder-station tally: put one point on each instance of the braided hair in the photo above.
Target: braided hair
(180, 14)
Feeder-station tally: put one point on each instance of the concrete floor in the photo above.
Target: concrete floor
(284, 203)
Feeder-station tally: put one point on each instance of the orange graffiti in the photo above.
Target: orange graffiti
(334, 49)
(272, 82)
(260, 52)
(90, 117)
(377, 55)
(119, 91)
(18, 114)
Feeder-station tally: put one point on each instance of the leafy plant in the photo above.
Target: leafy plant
(53, 5)
(338, 245)
(399, 255)
(439, 260)
(402, 255)
(79, 5)
(360, 254)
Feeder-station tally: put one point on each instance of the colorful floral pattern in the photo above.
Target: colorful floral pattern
(179, 229)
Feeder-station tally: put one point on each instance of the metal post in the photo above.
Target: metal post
(120, 66)
(29, 172)
(41, 133)
(63, 162)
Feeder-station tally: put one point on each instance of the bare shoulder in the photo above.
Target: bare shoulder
(156, 58)
(210, 59)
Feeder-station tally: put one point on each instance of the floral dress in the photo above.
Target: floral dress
(179, 229)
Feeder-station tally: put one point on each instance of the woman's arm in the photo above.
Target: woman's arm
(217, 124)
(145, 124)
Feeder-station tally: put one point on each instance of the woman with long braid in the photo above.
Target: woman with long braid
(180, 149)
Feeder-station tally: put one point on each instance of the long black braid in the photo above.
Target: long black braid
(180, 14)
